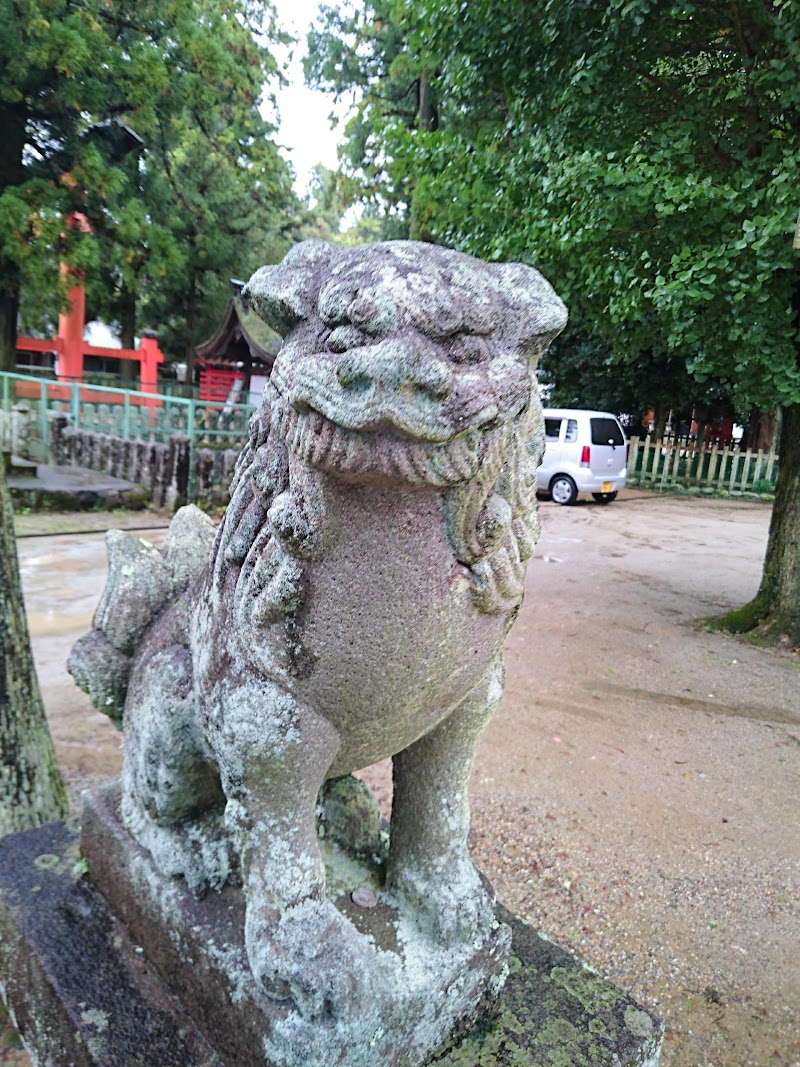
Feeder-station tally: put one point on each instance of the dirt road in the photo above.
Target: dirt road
(636, 795)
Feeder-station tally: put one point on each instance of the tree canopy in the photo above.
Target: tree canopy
(362, 54)
(203, 195)
(579, 371)
(644, 154)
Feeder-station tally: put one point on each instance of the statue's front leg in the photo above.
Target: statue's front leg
(429, 862)
(274, 755)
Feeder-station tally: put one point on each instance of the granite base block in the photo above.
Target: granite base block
(79, 991)
(96, 979)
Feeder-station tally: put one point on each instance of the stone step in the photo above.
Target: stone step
(17, 467)
(80, 991)
(53, 488)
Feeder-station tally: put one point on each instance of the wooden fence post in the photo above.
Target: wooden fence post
(633, 457)
(734, 469)
(770, 464)
(748, 458)
(676, 461)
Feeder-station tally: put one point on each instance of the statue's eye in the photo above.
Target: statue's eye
(345, 337)
(466, 348)
(334, 300)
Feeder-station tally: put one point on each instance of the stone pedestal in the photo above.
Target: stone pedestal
(145, 974)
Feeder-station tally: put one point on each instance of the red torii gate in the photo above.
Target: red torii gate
(70, 346)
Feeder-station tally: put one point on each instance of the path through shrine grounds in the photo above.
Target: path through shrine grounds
(637, 795)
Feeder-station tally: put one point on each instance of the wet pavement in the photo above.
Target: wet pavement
(63, 577)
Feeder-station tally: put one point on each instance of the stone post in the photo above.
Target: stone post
(177, 471)
(58, 422)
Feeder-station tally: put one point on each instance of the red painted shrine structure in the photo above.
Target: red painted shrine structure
(70, 347)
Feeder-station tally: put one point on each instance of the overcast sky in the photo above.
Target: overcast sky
(305, 130)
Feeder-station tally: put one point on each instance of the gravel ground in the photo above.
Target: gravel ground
(635, 796)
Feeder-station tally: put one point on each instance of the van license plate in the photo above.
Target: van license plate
(605, 487)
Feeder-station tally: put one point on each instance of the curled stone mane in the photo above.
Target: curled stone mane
(491, 521)
(265, 535)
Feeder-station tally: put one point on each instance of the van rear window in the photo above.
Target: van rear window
(606, 432)
(552, 429)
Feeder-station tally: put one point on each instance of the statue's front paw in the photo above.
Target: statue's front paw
(310, 954)
(449, 902)
(197, 850)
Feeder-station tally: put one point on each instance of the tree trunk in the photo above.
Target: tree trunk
(9, 307)
(660, 416)
(780, 583)
(12, 173)
(773, 616)
(424, 104)
(31, 789)
(128, 368)
(191, 340)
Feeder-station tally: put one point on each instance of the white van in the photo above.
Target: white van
(585, 452)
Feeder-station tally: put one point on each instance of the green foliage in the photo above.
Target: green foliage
(363, 52)
(579, 371)
(328, 216)
(646, 156)
(202, 196)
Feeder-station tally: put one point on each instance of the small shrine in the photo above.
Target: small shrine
(237, 361)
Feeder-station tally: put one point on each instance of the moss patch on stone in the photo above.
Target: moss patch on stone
(554, 1012)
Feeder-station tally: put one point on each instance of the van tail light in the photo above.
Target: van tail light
(585, 451)
(627, 453)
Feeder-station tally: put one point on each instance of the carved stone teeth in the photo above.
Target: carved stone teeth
(337, 449)
(299, 440)
(420, 463)
(363, 459)
(351, 444)
(297, 434)
(284, 421)
(394, 459)
(322, 442)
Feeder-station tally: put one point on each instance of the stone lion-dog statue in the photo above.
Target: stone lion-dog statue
(351, 606)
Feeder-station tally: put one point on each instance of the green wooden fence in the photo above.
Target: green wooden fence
(683, 462)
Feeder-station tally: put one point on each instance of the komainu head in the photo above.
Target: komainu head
(399, 356)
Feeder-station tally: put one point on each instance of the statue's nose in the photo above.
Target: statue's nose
(393, 371)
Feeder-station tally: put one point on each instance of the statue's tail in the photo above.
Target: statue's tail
(141, 581)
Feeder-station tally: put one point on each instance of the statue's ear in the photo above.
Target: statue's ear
(539, 313)
(285, 295)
